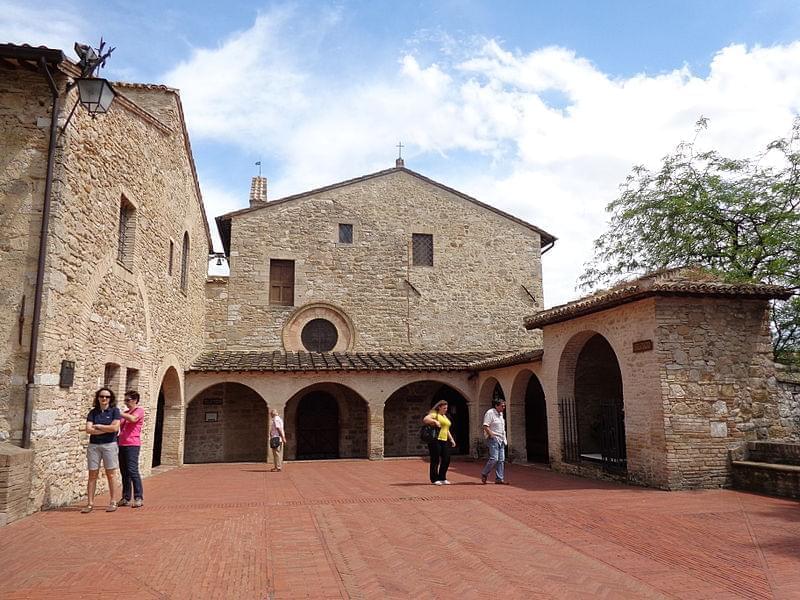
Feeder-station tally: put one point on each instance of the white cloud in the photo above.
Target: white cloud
(54, 27)
(562, 133)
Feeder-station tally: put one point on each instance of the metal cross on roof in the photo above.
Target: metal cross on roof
(399, 149)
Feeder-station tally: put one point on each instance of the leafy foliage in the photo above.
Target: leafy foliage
(739, 218)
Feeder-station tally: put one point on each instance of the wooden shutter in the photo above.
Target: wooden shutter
(281, 282)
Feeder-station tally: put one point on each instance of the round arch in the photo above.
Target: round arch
(326, 420)
(168, 422)
(529, 418)
(226, 422)
(591, 405)
(403, 412)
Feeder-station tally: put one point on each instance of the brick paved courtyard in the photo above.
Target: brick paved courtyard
(359, 529)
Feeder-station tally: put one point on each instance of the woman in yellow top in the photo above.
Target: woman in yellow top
(439, 448)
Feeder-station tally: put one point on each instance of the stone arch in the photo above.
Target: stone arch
(345, 330)
(403, 411)
(169, 413)
(591, 402)
(314, 437)
(529, 418)
(226, 422)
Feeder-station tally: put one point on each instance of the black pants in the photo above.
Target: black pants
(440, 459)
(129, 467)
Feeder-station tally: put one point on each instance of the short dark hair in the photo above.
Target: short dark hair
(497, 402)
(132, 394)
(112, 402)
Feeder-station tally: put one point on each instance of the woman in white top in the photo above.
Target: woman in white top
(277, 439)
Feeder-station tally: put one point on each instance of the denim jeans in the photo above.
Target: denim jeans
(129, 467)
(497, 459)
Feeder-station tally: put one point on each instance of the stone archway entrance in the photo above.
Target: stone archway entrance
(166, 436)
(403, 412)
(226, 422)
(326, 420)
(317, 426)
(593, 416)
(536, 441)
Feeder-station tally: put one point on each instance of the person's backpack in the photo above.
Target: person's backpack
(427, 433)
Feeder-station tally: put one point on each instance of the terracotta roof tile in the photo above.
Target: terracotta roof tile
(685, 281)
(278, 361)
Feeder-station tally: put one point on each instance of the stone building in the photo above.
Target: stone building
(350, 309)
(124, 263)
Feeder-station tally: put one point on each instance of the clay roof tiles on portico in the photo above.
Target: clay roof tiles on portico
(683, 281)
(224, 221)
(280, 361)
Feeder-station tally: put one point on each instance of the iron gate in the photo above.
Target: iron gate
(612, 441)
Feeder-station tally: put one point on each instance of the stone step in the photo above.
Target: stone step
(767, 478)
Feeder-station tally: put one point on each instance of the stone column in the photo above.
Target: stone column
(376, 430)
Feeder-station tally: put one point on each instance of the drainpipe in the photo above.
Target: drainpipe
(39, 289)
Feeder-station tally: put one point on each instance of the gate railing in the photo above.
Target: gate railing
(570, 448)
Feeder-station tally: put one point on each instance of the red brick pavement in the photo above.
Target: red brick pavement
(359, 529)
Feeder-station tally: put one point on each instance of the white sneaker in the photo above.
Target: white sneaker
(445, 482)
(438, 482)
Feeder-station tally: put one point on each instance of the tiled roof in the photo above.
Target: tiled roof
(279, 361)
(686, 281)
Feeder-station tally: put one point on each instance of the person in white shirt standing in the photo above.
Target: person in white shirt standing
(494, 427)
(277, 439)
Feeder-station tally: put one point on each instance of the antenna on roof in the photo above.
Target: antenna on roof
(258, 164)
(399, 162)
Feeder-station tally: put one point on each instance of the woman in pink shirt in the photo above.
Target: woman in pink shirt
(130, 442)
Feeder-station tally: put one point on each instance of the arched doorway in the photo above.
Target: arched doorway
(226, 422)
(536, 422)
(591, 403)
(327, 420)
(166, 435)
(403, 412)
(317, 426)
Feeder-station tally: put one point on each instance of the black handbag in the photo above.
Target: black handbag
(275, 442)
(428, 433)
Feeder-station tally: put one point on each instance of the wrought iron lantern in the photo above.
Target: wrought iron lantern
(96, 94)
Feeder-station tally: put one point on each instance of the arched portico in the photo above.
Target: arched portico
(226, 422)
(591, 407)
(528, 418)
(167, 438)
(403, 412)
(327, 420)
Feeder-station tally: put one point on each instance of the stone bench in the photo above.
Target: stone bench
(767, 467)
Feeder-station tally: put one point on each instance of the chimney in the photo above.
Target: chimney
(258, 191)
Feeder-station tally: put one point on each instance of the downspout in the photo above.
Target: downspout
(39, 289)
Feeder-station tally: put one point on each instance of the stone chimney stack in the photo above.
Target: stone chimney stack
(258, 191)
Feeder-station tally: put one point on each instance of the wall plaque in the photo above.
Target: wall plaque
(212, 401)
(643, 346)
(67, 374)
(212, 417)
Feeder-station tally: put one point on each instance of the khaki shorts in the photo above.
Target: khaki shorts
(108, 453)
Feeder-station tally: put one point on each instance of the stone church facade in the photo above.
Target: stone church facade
(349, 309)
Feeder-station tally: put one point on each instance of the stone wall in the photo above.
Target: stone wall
(788, 397)
(472, 297)
(96, 310)
(718, 384)
(226, 423)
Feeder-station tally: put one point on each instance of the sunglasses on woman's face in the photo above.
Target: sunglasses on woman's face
(101, 396)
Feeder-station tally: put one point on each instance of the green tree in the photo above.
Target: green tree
(739, 218)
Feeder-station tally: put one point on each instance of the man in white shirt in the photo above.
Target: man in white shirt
(494, 428)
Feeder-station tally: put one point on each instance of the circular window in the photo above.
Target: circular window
(319, 335)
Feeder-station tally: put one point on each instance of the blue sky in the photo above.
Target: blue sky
(538, 108)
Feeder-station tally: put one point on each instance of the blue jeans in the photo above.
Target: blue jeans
(497, 459)
(129, 467)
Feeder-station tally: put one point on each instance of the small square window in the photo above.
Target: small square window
(422, 249)
(345, 233)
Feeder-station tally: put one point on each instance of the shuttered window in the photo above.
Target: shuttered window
(281, 282)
